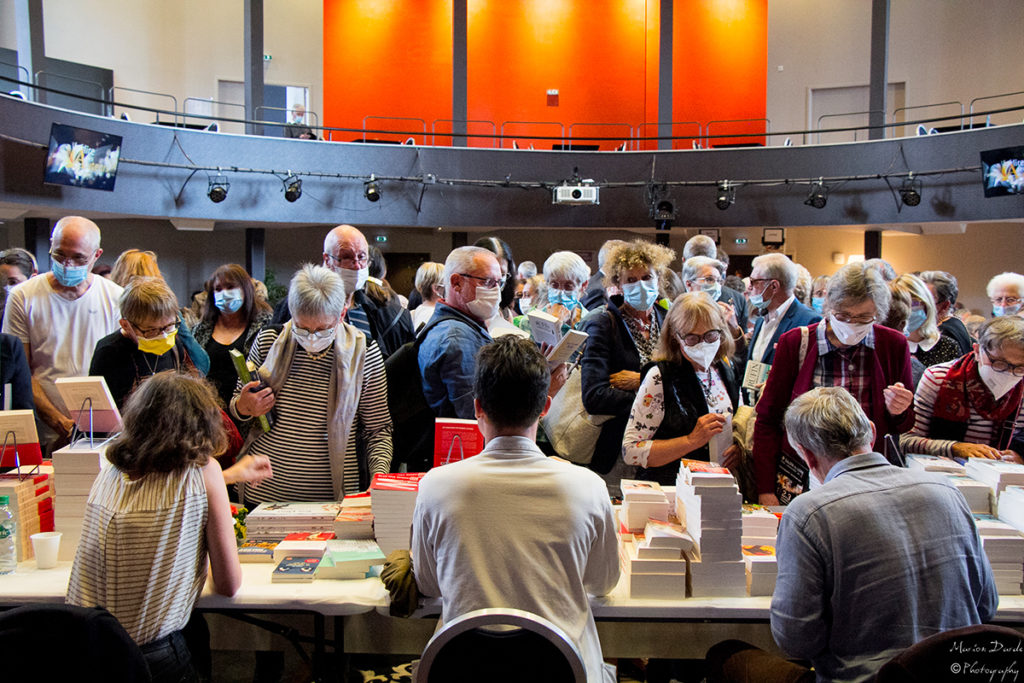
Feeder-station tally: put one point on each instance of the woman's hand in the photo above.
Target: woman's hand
(1012, 456)
(767, 499)
(559, 374)
(626, 380)
(253, 403)
(966, 450)
(731, 457)
(707, 426)
(729, 313)
(251, 469)
(897, 398)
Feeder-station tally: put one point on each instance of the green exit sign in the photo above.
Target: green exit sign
(381, 238)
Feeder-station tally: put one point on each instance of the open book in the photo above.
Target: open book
(547, 329)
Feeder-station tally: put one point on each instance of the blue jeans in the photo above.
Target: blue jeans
(169, 660)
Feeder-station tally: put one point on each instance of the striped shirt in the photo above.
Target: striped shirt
(297, 444)
(979, 430)
(143, 550)
(848, 367)
(357, 318)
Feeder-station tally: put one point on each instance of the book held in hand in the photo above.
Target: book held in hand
(755, 375)
(244, 374)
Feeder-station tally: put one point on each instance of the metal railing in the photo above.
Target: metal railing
(172, 98)
(314, 125)
(855, 129)
(589, 142)
(678, 141)
(17, 68)
(898, 110)
(493, 134)
(379, 131)
(186, 114)
(767, 129)
(989, 98)
(541, 139)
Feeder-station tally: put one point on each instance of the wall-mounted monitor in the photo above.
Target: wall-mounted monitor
(82, 158)
(1002, 171)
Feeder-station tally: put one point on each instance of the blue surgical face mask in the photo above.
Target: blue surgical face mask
(999, 311)
(228, 300)
(69, 276)
(714, 290)
(917, 318)
(818, 303)
(569, 299)
(642, 294)
(756, 299)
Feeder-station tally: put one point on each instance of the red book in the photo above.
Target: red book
(310, 536)
(455, 440)
(397, 481)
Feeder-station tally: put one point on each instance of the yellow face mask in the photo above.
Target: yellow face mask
(158, 346)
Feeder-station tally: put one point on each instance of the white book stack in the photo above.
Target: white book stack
(74, 469)
(642, 500)
(272, 521)
(655, 563)
(977, 494)
(1006, 552)
(761, 569)
(710, 508)
(760, 527)
(997, 474)
(355, 519)
(1011, 507)
(393, 499)
(934, 463)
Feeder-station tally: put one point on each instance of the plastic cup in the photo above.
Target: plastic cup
(45, 545)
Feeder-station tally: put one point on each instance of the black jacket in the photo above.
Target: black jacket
(14, 370)
(609, 349)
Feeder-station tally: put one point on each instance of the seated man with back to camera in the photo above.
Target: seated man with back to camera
(876, 559)
(510, 527)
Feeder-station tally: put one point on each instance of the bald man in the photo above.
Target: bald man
(59, 316)
(346, 252)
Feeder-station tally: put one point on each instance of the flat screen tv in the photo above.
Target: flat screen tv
(1002, 171)
(82, 158)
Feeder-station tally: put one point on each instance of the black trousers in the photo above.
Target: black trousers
(169, 660)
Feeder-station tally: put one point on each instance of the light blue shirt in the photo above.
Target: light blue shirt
(876, 559)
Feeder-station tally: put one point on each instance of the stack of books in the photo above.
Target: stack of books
(709, 504)
(760, 527)
(1011, 507)
(355, 519)
(296, 569)
(303, 544)
(30, 500)
(934, 463)
(273, 521)
(256, 551)
(761, 569)
(641, 501)
(349, 559)
(977, 494)
(393, 499)
(74, 469)
(1004, 546)
(996, 474)
(654, 562)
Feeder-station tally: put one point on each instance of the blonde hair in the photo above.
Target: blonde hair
(148, 299)
(134, 263)
(689, 311)
(635, 254)
(917, 289)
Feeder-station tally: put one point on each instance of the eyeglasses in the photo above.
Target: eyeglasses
(312, 334)
(711, 336)
(1000, 365)
(154, 332)
(859, 320)
(487, 282)
(69, 260)
(1005, 300)
(350, 259)
(706, 280)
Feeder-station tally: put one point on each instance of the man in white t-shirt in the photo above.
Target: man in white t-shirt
(510, 527)
(59, 316)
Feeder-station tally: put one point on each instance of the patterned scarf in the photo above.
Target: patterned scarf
(963, 390)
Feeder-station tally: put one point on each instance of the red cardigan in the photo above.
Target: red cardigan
(786, 381)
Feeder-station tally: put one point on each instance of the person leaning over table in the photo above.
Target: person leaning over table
(326, 385)
(972, 407)
(686, 393)
(847, 349)
(154, 517)
(621, 341)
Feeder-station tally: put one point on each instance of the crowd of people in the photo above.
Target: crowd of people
(672, 359)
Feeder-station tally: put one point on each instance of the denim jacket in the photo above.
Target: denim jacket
(447, 360)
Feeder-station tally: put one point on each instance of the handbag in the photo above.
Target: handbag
(571, 430)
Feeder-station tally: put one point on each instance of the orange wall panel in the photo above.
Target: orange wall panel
(390, 58)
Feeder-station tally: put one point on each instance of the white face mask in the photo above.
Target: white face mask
(353, 279)
(849, 333)
(485, 305)
(525, 304)
(702, 353)
(999, 383)
(316, 343)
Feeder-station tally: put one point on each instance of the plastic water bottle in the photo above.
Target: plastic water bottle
(8, 536)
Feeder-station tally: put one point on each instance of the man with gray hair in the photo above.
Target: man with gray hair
(943, 287)
(875, 559)
(448, 345)
(59, 316)
(595, 294)
(702, 245)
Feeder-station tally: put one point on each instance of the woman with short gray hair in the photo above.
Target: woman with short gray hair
(847, 349)
(565, 277)
(331, 429)
(984, 425)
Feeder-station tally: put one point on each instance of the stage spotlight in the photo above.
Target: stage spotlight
(910, 191)
(818, 197)
(292, 188)
(218, 189)
(372, 190)
(726, 196)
